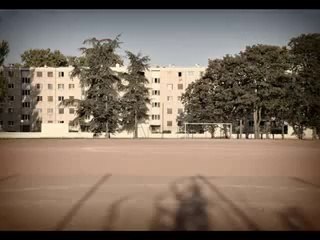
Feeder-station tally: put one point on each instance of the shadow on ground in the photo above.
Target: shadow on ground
(293, 219)
(196, 204)
(193, 207)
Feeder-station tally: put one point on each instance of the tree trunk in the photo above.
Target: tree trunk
(299, 132)
(246, 127)
(241, 129)
(225, 131)
(259, 121)
(107, 130)
(314, 133)
(282, 130)
(212, 130)
(255, 124)
(135, 124)
(107, 124)
(267, 129)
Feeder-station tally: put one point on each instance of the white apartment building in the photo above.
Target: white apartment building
(35, 94)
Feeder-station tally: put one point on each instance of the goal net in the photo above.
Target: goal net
(208, 130)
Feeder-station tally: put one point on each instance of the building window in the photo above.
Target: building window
(179, 74)
(72, 124)
(60, 86)
(155, 129)
(39, 98)
(38, 86)
(10, 73)
(10, 123)
(180, 86)
(156, 80)
(61, 110)
(1, 110)
(50, 74)
(26, 104)
(50, 110)
(39, 74)
(169, 98)
(61, 74)
(50, 121)
(71, 110)
(155, 117)
(25, 80)
(180, 110)
(25, 92)
(169, 123)
(10, 85)
(50, 86)
(155, 104)
(87, 117)
(1, 123)
(50, 98)
(25, 117)
(71, 86)
(10, 110)
(60, 121)
(169, 110)
(141, 73)
(60, 98)
(155, 92)
(11, 98)
(179, 98)
(170, 86)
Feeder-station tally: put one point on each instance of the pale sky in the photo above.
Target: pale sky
(180, 37)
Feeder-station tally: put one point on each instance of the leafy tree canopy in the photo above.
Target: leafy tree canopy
(43, 57)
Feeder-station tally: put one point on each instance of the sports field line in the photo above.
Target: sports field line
(57, 187)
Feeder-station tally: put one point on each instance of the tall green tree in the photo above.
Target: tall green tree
(102, 84)
(305, 94)
(136, 96)
(43, 57)
(265, 65)
(198, 105)
(237, 86)
(4, 51)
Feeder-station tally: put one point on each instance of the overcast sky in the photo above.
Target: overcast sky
(180, 37)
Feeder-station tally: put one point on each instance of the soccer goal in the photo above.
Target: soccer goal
(208, 130)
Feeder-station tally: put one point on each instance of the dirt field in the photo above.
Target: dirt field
(102, 184)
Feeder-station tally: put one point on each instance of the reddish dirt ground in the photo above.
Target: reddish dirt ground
(170, 184)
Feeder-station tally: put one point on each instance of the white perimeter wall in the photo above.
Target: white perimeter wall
(61, 131)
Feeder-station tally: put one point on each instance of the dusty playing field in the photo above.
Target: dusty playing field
(169, 184)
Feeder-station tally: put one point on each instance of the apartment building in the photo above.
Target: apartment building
(11, 107)
(168, 84)
(35, 95)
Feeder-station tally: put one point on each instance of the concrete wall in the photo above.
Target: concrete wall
(61, 131)
(54, 129)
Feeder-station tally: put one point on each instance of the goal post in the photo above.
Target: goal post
(202, 130)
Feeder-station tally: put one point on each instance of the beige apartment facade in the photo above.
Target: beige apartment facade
(38, 93)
